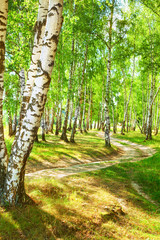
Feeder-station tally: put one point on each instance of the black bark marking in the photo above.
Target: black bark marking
(43, 71)
(54, 38)
(2, 23)
(51, 14)
(51, 64)
(1, 16)
(38, 28)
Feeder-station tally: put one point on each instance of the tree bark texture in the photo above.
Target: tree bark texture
(14, 184)
(3, 149)
(37, 48)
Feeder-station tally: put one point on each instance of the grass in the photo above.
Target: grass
(147, 172)
(94, 205)
(56, 153)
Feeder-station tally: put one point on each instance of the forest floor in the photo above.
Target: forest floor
(127, 152)
(120, 201)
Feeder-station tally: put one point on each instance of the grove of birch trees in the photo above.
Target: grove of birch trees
(94, 66)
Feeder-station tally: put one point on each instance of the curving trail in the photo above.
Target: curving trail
(132, 152)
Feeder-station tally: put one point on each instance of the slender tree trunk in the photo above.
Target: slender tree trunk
(70, 116)
(114, 120)
(107, 98)
(80, 119)
(57, 121)
(15, 116)
(84, 109)
(135, 120)
(143, 109)
(79, 98)
(127, 122)
(60, 117)
(46, 122)
(157, 118)
(89, 111)
(149, 120)
(149, 116)
(9, 123)
(3, 149)
(64, 132)
(14, 185)
(52, 121)
(37, 47)
(126, 109)
(43, 128)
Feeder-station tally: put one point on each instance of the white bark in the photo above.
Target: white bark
(31, 122)
(37, 47)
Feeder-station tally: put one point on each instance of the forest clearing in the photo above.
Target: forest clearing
(79, 119)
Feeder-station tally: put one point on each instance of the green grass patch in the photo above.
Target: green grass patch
(56, 153)
(94, 205)
(147, 172)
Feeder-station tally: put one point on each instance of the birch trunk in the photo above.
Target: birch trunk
(157, 118)
(80, 119)
(126, 109)
(64, 132)
(47, 113)
(79, 98)
(10, 131)
(70, 116)
(143, 109)
(60, 117)
(149, 120)
(89, 111)
(84, 110)
(57, 121)
(15, 115)
(14, 185)
(37, 47)
(52, 121)
(149, 116)
(3, 149)
(107, 97)
(43, 128)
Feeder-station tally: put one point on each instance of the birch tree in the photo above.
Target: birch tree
(13, 191)
(3, 150)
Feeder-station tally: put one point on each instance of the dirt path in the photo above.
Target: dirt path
(132, 152)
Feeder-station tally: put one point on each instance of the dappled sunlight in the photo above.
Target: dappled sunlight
(55, 153)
